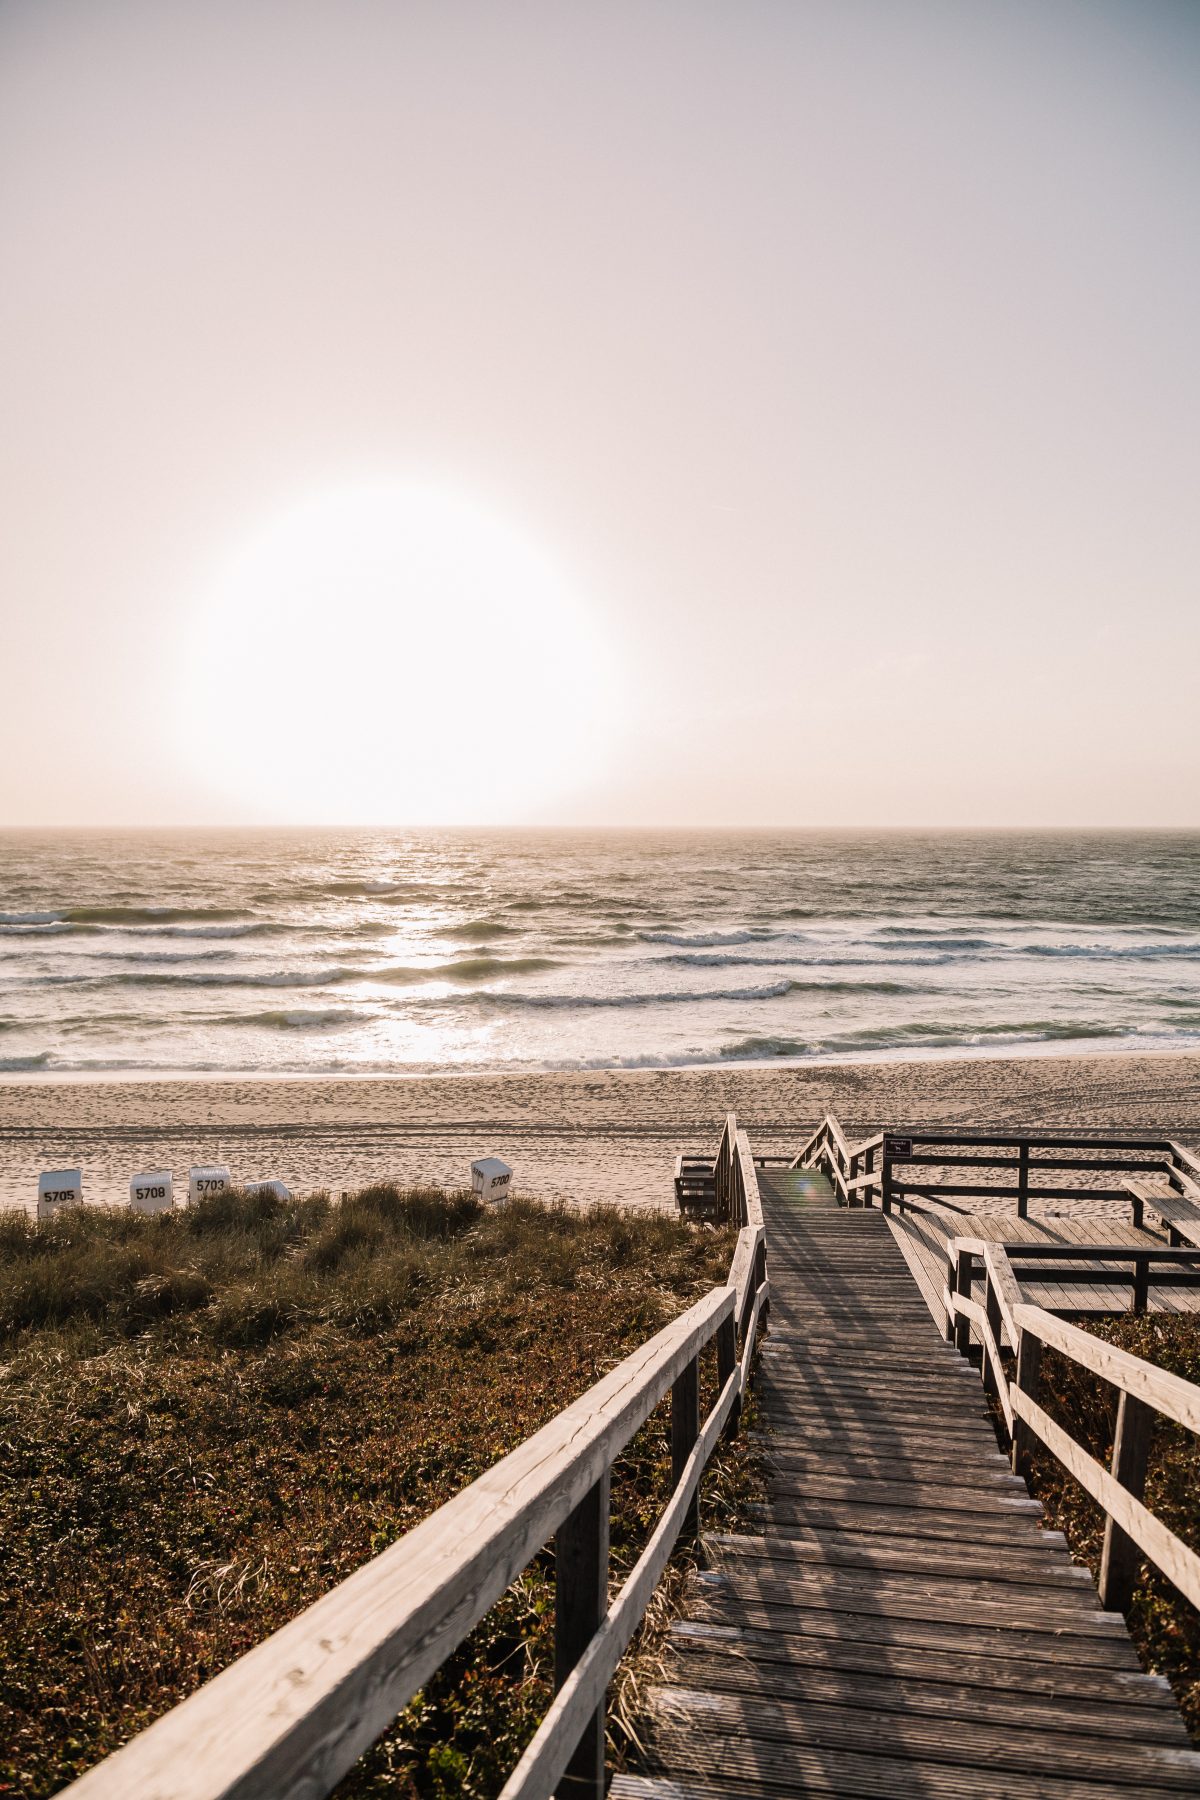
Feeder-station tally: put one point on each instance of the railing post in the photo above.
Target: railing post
(726, 1364)
(1023, 1182)
(952, 1290)
(1029, 1370)
(1141, 1283)
(685, 1429)
(760, 1275)
(1131, 1449)
(581, 1601)
(869, 1170)
(885, 1186)
(991, 1306)
(962, 1287)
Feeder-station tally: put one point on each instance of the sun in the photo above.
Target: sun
(391, 652)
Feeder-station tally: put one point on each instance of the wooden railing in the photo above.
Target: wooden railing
(866, 1173)
(1060, 1264)
(291, 1717)
(851, 1169)
(1143, 1390)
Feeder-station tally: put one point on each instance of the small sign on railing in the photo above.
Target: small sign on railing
(896, 1149)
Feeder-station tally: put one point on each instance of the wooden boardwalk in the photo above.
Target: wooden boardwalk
(902, 1625)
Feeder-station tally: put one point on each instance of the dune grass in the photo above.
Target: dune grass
(211, 1417)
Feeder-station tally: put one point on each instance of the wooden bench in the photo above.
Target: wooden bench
(1179, 1216)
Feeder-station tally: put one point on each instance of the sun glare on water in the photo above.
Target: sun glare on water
(394, 653)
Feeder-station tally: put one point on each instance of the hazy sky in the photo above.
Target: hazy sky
(654, 413)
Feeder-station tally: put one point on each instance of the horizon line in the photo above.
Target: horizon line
(718, 829)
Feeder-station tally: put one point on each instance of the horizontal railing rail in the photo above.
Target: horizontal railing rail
(291, 1717)
(1131, 1529)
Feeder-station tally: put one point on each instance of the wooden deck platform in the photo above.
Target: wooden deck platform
(923, 1237)
(902, 1624)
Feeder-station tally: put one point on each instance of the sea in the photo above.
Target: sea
(372, 952)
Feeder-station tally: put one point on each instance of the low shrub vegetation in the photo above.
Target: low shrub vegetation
(1165, 1627)
(211, 1417)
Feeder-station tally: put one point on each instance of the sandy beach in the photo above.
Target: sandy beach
(583, 1137)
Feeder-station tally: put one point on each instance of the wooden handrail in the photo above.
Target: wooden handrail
(841, 1162)
(1144, 1389)
(292, 1716)
(723, 1168)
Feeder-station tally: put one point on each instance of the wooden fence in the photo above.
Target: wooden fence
(866, 1173)
(290, 1718)
(1131, 1530)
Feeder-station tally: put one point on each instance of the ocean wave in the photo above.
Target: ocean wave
(366, 890)
(954, 941)
(472, 968)
(1111, 952)
(157, 958)
(478, 931)
(257, 928)
(702, 961)
(298, 1019)
(39, 930)
(699, 940)
(1029, 1031)
(31, 918)
(150, 915)
(587, 1002)
(16, 1065)
(277, 978)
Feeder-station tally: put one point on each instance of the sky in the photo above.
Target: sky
(773, 413)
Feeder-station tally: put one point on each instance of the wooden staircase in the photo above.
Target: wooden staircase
(902, 1624)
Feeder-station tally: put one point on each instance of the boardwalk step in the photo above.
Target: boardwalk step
(913, 1691)
(685, 1713)
(781, 1517)
(1112, 1689)
(1021, 1562)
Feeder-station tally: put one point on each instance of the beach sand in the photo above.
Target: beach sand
(607, 1135)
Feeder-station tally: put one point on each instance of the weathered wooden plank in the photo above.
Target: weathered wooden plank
(952, 1560)
(787, 1511)
(936, 1695)
(984, 1664)
(860, 1778)
(790, 1620)
(884, 1594)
